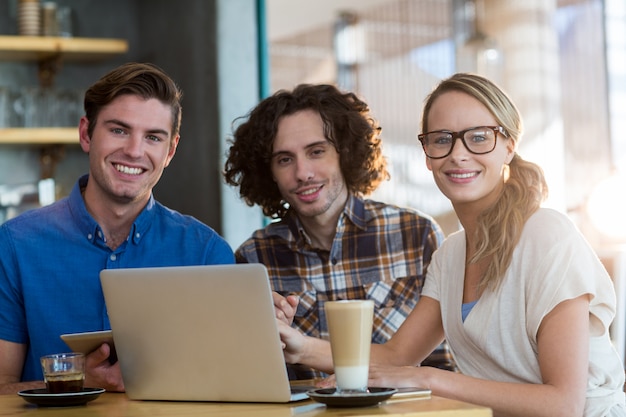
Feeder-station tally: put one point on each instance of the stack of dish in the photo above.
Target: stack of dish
(29, 17)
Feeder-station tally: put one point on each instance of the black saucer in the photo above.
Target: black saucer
(330, 397)
(43, 398)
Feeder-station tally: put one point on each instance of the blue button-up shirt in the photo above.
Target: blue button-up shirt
(51, 258)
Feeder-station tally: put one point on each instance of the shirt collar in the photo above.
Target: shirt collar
(90, 228)
(354, 211)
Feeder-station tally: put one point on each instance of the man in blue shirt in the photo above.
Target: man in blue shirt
(50, 258)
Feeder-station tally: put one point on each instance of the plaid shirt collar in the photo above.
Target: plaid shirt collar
(354, 211)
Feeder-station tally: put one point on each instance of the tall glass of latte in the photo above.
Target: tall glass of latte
(350, 331)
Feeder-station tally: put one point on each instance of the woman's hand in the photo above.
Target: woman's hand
(399, 376)
(389, 376)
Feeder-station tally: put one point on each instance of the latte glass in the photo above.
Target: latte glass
(350, 331)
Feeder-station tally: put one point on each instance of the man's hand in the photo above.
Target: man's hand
(305, 350)
(292, 342)
(285, 307)
(100, 373)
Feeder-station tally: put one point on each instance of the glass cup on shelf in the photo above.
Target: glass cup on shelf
(35, 106)
(39, 107)
(7, 114)
(65, 23)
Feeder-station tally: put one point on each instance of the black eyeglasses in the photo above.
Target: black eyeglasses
(478, 140)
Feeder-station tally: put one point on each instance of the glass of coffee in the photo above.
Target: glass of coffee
(350, 331)
(63, 372)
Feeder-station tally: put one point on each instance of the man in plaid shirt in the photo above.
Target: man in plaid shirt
(307, 158)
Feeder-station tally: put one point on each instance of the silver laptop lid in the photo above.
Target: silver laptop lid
(196, 333)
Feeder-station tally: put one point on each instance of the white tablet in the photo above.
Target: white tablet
(87, 342)
(412, 392)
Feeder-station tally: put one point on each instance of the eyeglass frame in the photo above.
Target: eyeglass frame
(461, 135)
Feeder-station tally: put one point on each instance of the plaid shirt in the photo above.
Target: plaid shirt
(380, 252)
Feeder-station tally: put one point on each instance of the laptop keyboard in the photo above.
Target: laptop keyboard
(300, 389)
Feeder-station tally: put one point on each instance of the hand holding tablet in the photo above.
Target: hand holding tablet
(87, 342)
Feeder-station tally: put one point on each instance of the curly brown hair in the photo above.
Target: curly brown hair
(348, 125)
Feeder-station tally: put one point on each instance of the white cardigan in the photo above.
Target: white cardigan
(498, 341)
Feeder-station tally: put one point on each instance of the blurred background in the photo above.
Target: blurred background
(563, 62)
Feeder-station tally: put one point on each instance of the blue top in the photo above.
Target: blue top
(466, 308)
(51, 257)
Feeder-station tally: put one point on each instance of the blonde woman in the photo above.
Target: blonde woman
(518, 293)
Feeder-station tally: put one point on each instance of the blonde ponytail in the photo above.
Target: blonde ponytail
(500, 227)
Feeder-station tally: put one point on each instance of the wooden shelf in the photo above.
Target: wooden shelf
(48, 51)
(40, 136)
(41, 48)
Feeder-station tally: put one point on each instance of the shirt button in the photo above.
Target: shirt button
(113, 257)
(137, 235)
(89, 236)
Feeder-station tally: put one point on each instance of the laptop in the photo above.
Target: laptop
(197, 333)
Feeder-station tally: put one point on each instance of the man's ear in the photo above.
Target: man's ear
(83, 135)
(172, 150)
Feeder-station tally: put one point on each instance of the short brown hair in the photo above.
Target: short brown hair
(142, 79)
